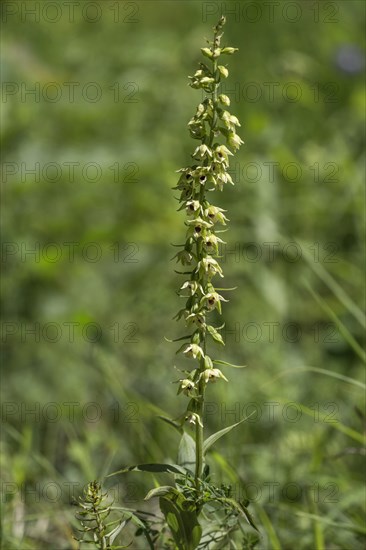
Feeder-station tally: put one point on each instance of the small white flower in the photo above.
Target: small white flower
(215, 214)
(221, 154)
(212, 375)
(186, 386)
(197, 227)
(193, 350)
(202, 151)
(234, 141)
(213, 299)
(194, 419)
(209, 267)
(192, 286)
(210, 243)
(192, 207)
(197, 318)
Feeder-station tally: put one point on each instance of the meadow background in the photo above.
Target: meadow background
(89, 290)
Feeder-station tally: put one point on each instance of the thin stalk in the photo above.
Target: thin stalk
(202, 386)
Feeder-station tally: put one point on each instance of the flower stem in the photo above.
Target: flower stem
(201, 384)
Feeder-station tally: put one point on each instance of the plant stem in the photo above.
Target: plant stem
(199, 425)
(202, 385)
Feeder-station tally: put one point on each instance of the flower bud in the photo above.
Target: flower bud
(223, 70)
(207, 52)
(229, 50)
(234, 141)
(224, 99)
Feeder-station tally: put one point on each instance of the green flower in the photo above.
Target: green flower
(210, 243)
(192, 286)
(193, 350)
(197, 318)
(193, 418)
(197, 227)
(186, 386)
(212, 375)
(212, 300)
(197, 129)
(223, 71)
(184, 256)
(230, 120)
(234, 140)
(209, 267)
(221, 154)
(229, 50)
(207, 52)
(222, 178)
(192, 207)
(224, 99)
(215, 214)
(202, 151)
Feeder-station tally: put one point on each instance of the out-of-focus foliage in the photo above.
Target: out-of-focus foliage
(81, 393)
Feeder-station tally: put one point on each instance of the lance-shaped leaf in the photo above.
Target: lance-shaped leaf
(187, 452)
(226, 364)
(216, 436)
(178, 427)
(155, 468)
(159, 492)
(239, 506)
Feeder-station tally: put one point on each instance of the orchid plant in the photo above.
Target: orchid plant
(196, 514)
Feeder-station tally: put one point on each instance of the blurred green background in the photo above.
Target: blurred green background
(95, 106)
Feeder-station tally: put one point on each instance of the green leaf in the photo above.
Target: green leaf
(248, 516)
(187, 452)
(181, 517)
(178, 339)
(156, 468)
(216, 436)
(239, 506)
(229, 364)
(115, 532)
(232, 288)
(158, 492)
(171, 423)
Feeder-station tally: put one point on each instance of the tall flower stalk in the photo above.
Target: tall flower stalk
(185, 524)
(215, 128)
